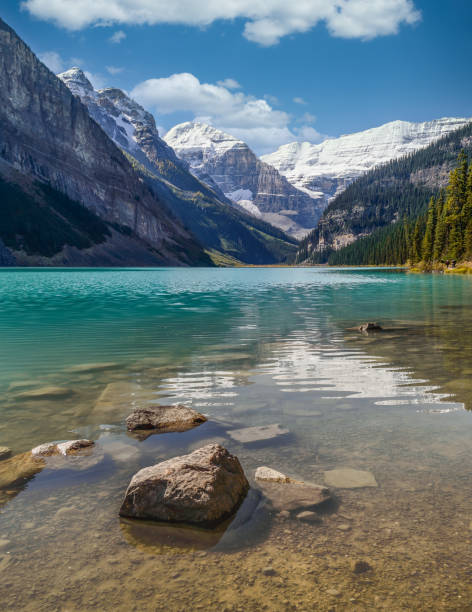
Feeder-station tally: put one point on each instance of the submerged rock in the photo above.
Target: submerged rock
(203, 487)
(70, 447)
(19, 468)
(370, 327)
(45, 393)
(360, 567)
(164, 418)
(247, 435)
(74, 454)
(85, 368)
(294, 495)
(4, 452)
(347, 478)
(117, 397)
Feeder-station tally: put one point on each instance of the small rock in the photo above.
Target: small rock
(347, 478)
(270, 475)
(360, 567)
(4, 452)
(284, 514)
(164, 418)
(269, 571)
(247, 435)
(333, 592)
(370, 327)
(308, 517)
(344, 527)
(203, 487)
(71, 447)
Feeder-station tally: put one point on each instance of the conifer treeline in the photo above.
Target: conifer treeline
(445, 232)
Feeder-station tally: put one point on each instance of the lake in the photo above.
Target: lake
(245, 347)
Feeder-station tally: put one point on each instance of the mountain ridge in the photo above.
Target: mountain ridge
(228, 164)
(324, 170)
(203, 208)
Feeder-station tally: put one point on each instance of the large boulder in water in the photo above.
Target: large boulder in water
(203, 487)
(164, 418)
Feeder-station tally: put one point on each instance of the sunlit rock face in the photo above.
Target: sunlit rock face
(229, 165)
(124, 120)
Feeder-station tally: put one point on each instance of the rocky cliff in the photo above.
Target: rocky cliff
(324, 170)
(48, 135)
(228, 164)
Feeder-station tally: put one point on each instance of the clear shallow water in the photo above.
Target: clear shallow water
(246, 347)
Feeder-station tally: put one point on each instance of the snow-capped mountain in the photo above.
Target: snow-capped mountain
(124, 120)
(203, 209)
(324, 170)
(226, 163)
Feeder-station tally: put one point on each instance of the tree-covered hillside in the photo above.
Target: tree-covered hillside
(368, 222)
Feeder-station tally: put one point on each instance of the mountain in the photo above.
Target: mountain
(203, 208)
(69, 195)
(324, 170)
(228, 165)
(366, 221)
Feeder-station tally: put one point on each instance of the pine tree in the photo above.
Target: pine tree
(440, 231)
(428, 240)
(416, 239)
(468, 240)
(455, 202)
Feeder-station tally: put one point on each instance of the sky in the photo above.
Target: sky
(266, 71)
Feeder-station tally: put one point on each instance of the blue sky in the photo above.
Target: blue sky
(268, 71)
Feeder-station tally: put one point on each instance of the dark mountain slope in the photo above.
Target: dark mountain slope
(48, 136)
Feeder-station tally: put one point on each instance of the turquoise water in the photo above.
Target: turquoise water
(246, 347)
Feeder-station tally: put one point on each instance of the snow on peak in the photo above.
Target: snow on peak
(338, 161)
(77, 82)
(194, 136)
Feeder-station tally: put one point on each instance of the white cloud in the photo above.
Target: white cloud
(114, 69)
(53, 61)
(117, 37)
(229, 84)
(266, 21)
(252, 119)
(299, 101)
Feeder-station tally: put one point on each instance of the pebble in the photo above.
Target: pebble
(333, 592)
(308, 517)
(344, 527)
(360, 567)
(269, 571)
